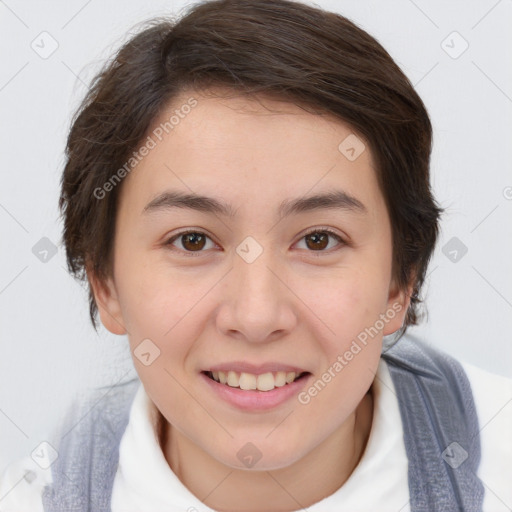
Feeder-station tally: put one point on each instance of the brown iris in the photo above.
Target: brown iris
(320, 240)
(193, 241)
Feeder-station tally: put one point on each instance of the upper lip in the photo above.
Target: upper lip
(245, 367)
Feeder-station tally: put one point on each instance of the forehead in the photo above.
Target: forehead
(260, 147)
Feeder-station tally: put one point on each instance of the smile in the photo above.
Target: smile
(264, 391)
(249, 381)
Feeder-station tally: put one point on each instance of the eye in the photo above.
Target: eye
(318, 239)
(194, 241)
(190, 241)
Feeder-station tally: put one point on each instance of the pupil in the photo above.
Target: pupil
(194, 239)
(319, 240)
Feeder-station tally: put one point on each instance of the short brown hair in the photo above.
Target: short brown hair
(302, 54)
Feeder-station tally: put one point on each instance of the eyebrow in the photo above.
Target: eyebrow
(334, 200)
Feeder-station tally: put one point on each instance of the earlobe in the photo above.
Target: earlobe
(108, 304)
(397, 306)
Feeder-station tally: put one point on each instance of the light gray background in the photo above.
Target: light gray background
(48, 348)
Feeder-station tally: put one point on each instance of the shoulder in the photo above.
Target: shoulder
(492, 395)
(21, 486)
(101, 413)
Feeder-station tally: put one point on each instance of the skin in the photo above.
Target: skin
(294, 304)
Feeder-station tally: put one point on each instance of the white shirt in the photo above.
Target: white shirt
(145, 482)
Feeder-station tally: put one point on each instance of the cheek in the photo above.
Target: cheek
(153, 299)
(351, 307)
(169, 310)
(351, 301)
(162, 323)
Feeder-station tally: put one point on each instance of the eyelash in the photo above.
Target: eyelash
(329, 231)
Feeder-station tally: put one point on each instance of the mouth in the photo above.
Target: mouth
(252, 382)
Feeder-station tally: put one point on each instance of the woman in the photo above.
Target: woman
(247, 193)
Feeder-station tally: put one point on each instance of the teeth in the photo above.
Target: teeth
(248, 381)
(280, 379)
(266, 382)
(233, 380)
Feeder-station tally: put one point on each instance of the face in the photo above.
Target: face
(263, 277)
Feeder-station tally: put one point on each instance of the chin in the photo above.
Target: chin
(258, 456)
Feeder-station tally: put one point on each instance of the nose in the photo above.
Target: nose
(258, 305)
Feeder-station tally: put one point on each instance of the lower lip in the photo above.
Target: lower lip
(255, 400)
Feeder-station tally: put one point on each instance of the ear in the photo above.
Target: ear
(108, 304)
(397, 306)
